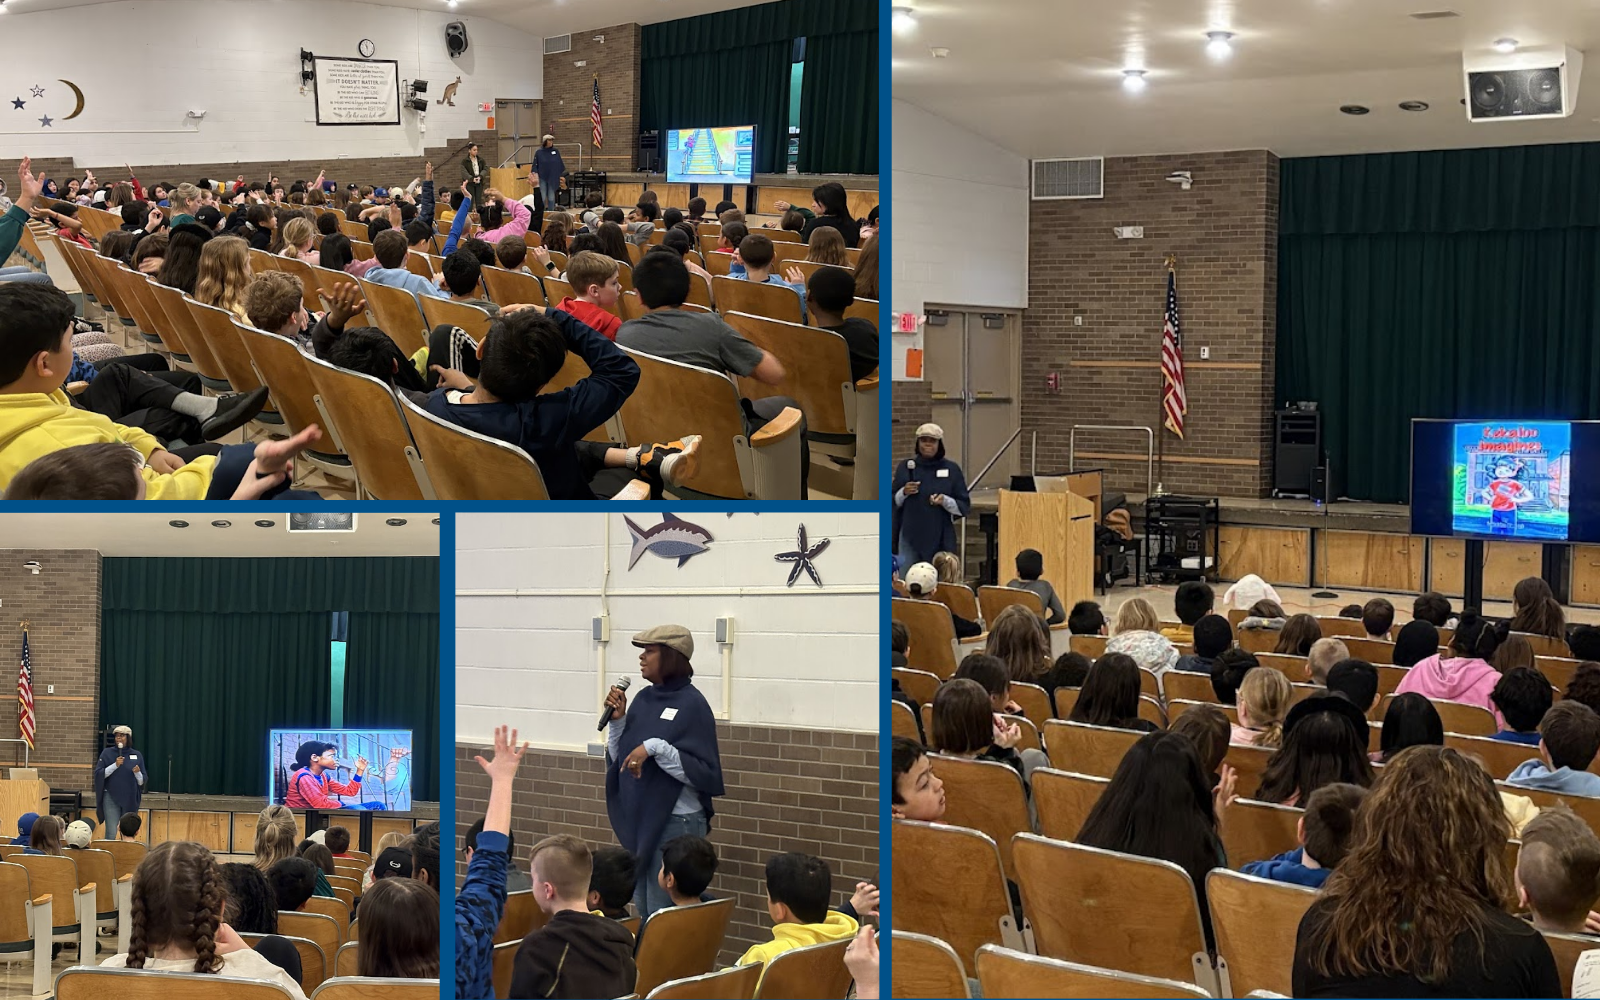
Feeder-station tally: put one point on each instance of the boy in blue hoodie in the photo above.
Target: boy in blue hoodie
(1569, 737)
(1522, 695)
(1325, 831)
(481, 900)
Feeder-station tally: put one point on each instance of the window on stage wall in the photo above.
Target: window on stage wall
(341, 635)
(797, 74)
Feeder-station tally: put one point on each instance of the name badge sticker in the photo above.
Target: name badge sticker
(943, 474)
(669, 714)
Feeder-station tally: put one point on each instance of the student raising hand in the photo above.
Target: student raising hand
(344, 303)
(865, 900)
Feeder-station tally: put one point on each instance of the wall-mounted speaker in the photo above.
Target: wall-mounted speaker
(455, 38)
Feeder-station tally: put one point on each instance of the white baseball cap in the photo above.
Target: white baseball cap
(78, 834)
(923, 578)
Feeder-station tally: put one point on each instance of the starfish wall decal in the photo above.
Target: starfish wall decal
(802, 558)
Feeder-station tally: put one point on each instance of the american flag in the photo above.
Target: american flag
(1174, 399)
(25, 694)
(594, 116)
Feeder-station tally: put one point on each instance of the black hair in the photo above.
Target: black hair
(1522, 695)
(521, 353)
(1320, 749)
(481, 249)
(723, 206)
(1193, 601)
(649, 210)
(691, 861)
(1409, 721)
(899, 637)
(671, 217)
(33, 320)
(327, 223)
(470, 841)
(1357, 680)
(989, 671)
(833, 289)
(368, 350)
(830, 195)
(613, 243)
(180, 268)
(584, 241)
(461, 273)
(1110, 694)
(660, 281)
(294, 880)
(416, 232)
(134, 213)
(1377, 616)
(336, 251)
(491, 215)
(1432, 607)
(408, 212)
(1227, 673)
(1030, 564)
(1476, 636)
(613, 214)
(376, 225)
(425, 851)
(1213, 635)
(613, 877)
(802, 883)
(1085, 618)
(697, 207)
(1417, 641)
(129, 826)
(1584, 641)
(903, 756)
(250, 904)
(677, 240)
(1069, 671)
(337, 839)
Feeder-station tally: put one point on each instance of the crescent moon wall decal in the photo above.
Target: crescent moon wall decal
(77, 93)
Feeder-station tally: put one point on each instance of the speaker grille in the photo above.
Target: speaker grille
(1059, 179)
(557, 43)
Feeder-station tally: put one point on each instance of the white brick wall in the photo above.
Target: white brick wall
(143, 66)
(960, 216)
(803, 657)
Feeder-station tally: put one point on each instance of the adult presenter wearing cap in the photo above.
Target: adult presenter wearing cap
(119, 777)
(310, 786)
(549, 168)
(662, 763)
(930, 492)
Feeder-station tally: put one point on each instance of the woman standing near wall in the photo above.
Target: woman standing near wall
(662, 763)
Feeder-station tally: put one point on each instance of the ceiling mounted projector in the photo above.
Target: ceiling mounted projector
(1530, 83)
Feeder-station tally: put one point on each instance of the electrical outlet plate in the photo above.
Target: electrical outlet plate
(1205, 352)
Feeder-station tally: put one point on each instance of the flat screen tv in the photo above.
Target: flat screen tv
(387, 752)
(1509, 480)
(724, 155)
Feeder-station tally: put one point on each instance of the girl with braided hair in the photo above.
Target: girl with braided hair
(177, 921)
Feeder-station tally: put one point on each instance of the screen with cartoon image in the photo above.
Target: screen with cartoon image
(711, 155)
(1512, 479)
(340, 768)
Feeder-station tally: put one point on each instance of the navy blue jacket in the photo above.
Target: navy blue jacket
(640, 807)
(929, 529)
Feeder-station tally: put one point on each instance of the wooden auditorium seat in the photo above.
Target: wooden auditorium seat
(1092, 646)
(97, 983)
(314, 963)
(1086, 749)
(364, 416)
(1558, 670)
(1256, 831)
(113, 904)
(1063, 800)
(341, 885)
(464, 466)
(986, 796)
(25, 922)
(333, 907)
(1499, 756)
(473, 319)
(1184, 685)
(73, 899)
(681, 941)
(864, 309)
(932, 633)
(927, 967)
(1291, 666)
(1458, 717)
(1003, 972)
(816, 971)
(126, 854)
(1033, 700)
(557, 289)
(903, 722)
(1073, 894)
(1333, 626)
(948, 884)
(735, 983)
(174, 306)
(283, 369)
(1249, 763)
(1177, 707)
(510, 287)
(1150, 710)
(920, 685)
(360, 988)
(1566, 948)
(395, 312)
(309, 286)
(993, 600)
(1587, 808)
(1255, 921)
(520, 918)
(347, 961)
(960, 599)
(738, 295)
(504, 966)
(319, 929)
(1372, 650)
(419, 265)
(1544, 645)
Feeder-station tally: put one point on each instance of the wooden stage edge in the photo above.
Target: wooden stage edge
(1352, 545)
(228, 826)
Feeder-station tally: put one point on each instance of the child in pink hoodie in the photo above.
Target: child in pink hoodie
(1465, 674)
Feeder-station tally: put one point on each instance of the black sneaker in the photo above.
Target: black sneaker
(233, 412)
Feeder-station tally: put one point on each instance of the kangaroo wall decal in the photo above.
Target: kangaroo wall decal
(450, 94)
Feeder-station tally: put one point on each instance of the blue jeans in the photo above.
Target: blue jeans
(548, 190)
(25, 275)
(648, 896)
(113, 816)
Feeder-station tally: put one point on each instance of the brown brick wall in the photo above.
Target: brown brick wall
(62, 605)
(1224, 233)
(787, 790)
(568, 91)
(913, 407)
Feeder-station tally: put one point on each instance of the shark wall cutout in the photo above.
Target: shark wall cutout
(802, 558)
(673, 538)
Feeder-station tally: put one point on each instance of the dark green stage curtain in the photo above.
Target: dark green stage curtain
(391, 681)
(746, 85)
(205, 688)
(396, 583)
(1456, 284)
(839, 104)
(756, 25)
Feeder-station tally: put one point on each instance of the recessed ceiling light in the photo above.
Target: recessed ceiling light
(1413, 105)
(940, 52)
(179, 524)
(1133, 80)
(905, 20)
(222, 524)
(1220, 44)
(1354, 109)
(264, 523)
(395, 522)
(1505, 46)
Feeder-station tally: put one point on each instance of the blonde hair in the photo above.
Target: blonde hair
(224, 274)
(296, 231)
(949, 566)
(827, 247)
(275, 836)
(565, 862)
(1135, 615)
(183, 196)
(1325, 652)
(1265, 694)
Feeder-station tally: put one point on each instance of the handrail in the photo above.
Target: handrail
(520, 147)
(24, 750)
(1014, 434)
(1149, 451)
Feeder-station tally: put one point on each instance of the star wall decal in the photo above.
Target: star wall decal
(45, 121)
(16, 102)
(38, 91)
(802, 558)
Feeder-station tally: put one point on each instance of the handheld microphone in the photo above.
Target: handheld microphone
(605, 713)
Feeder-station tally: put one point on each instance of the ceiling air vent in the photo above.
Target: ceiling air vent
(557, 43)
(1080, 177)
(1434, 15)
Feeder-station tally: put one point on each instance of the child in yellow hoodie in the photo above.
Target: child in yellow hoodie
(38, 418)
(798, 889)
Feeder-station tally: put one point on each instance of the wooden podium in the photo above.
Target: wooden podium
(1061, 526)
(18, 797)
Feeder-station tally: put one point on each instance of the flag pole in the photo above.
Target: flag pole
(1171, 263)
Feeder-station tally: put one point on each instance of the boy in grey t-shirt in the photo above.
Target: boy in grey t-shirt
(1030, 564)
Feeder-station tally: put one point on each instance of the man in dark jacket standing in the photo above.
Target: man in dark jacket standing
(575, 954)
(548, 166)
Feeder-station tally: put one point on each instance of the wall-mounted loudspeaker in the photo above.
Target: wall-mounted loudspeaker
(455, 38)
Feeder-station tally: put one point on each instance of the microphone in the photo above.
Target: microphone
(605, 714)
